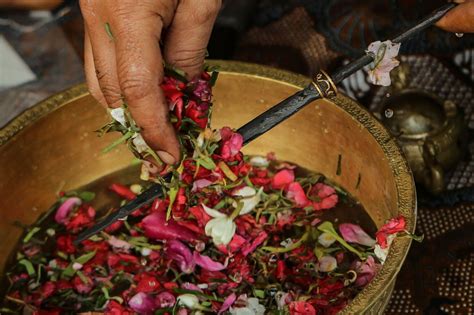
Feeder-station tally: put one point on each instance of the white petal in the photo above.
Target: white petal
(119, 115)
(326, 239)
(327, 264)
(246, 191)
(228, 233)
(139, 143)
(189, 300)
(259, 161)
(213, 213)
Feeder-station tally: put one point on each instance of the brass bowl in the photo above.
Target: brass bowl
(52, 147)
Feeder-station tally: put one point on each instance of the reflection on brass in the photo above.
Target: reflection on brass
(430, 133)
(52, 147)
(324, 85)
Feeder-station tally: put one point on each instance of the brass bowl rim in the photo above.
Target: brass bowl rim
(401, 172)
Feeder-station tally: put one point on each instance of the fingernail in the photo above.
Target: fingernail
(166, 157)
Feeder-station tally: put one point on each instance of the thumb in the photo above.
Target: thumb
(188, 35)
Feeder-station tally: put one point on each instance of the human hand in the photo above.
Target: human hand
(459, 19)
(124, 61)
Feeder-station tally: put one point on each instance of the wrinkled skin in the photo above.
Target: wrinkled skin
(459, 19)
(129, 64)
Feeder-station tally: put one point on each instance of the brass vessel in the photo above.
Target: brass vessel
(430, 133)
(53, 147)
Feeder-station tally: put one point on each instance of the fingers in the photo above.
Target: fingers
(103, 52)
(188, 35)
(460, 19)
(89, 68)
(140, 72)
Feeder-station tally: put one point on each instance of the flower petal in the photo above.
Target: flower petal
(353, 233)
(156, 227)
(182, 255)
(142, 303)
(229, 300)
(66, 207)
(213, 213)
(118, 114)
(327, 264)
(207, 263)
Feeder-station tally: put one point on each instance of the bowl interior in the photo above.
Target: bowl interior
(44, 151)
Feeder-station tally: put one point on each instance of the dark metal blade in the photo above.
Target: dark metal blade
(155, 191)
(269, 119)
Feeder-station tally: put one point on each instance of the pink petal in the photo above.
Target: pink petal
(207, 263)
(200, 184)
(231, 142)
(164, 300)
(156, 227)
(182, 255)
(142, 303)
(63, 211)
(119, 244)
(324, 190)
(249, 248)
(366, 271)
(353, 233)
(283, 178)
(191, 286)
(229, 300)
(296, 193)
(235, 244)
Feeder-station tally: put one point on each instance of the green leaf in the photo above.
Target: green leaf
(259, 294)
(82, 277)
(329, 228)
(86, 196)
(227, 171)
(173, 192)
(28, 266)
(318, 252)
(108, 30)
(30, 234)
(287, 249)
(85, 258)
(117, 142)
(69, 271)
(206, 162)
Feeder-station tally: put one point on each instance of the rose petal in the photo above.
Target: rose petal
(155, 226)
(296, 193)
(229, 300)
(142, 303)
(200, 184)
(207, 263)
(353, 233)
(165, 300)
(283, 178)
(182, 255)
(247, 249)
(119, 244)
(66, 207)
